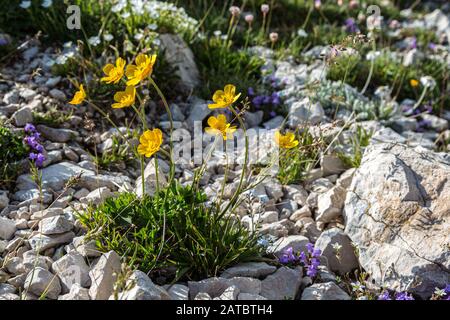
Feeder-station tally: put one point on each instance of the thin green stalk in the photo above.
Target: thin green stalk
(169, 113)
(241, 180)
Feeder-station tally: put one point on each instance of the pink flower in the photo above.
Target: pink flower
(273, 37)
(264, 8)
(249, 18)
(353, 4)
(317, 4)
(235, 11)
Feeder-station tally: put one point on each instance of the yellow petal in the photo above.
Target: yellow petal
(120, 63)
(119, 96)
(130, 71)
(218, 96)
(216, 105)
(141, 59)
(230, 90)
(222, 119)
(236, 97)
(107, 69)
(212, 122)
(117, 105)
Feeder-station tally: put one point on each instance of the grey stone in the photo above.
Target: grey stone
(330, 204)
(283, 284)
(104, 275)
(43, 283)
(72, 269)
(298, 244)
(178, 292)
(249, 296)
(76, 293)
(55, 225)
(397, 214)
(42, 242)
(324, 291)
(4, 200)
(143, 289)
(214, 287)
(331, 165)
(342, 260)
(7, 228)
(97, 196)
(249, 269)
(199, 111)
(304, 111)
(22, 116)
(150, 179)
(57, 135)
(58, 94)
(231, 293)
(180, 56)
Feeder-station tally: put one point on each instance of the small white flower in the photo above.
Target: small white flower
(439, 292)
(94, 41)
(119, 6)
(152, 26)
(372, 55)
(428, 82)
(217, 33)
(157, 42)
(25, 4)
(138, 36)
(108, 37)
(47, 3)
(336, 246)
(302, 33)
(125, 15)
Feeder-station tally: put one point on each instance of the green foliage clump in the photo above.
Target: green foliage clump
(335, 96)
(221, 65)
(388, 71)
(296, 163)
(172, 230)
(358, 142)
(13, 150)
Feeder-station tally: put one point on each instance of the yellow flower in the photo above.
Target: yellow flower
(141, 70)
(124, 98)
(79, 96)
(150, 141)
(225, 98)
(114, 73)
(219, 125)
(286, 141)
(414, 83)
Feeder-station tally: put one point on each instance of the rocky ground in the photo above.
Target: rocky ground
(389, 217)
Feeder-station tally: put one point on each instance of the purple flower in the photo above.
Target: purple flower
(447, 289)
(266, 100)
(432, 46)
(413, 44)
(403, 296)
(29, 128)
(384, 296)
(310, 247)
(288, 256)
(303, 257)
(275, 99)
(40, 160)
(273, 114)
(32, 156)
(251, 91)
(257, 101)
(350, 25)
(39, 148)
